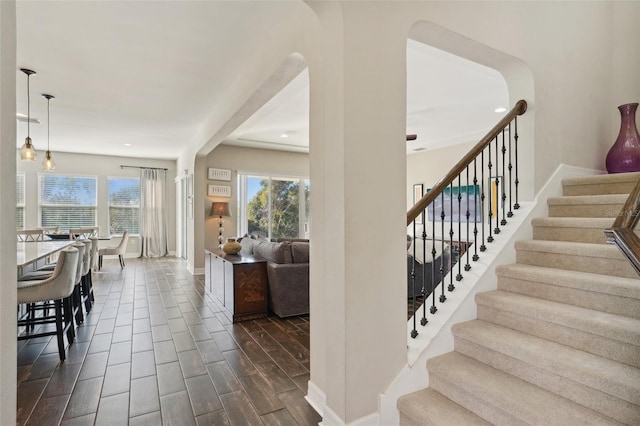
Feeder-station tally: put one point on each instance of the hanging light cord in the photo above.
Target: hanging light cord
(28, 106)
(48, 99)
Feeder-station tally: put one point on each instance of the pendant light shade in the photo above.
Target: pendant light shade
(28, 152)
(48, 163)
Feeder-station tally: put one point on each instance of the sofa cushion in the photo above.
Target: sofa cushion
(273, 252)
(300, 252)
(247, 246)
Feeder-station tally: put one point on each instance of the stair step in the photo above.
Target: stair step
(619, 183)
(615, 295)
(587, 205)
(501, 398)
(608, 387)
(577, 229)
(428, 407)
(607, 335)
(595, 258)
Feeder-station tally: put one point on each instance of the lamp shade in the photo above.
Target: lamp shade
(220, 209)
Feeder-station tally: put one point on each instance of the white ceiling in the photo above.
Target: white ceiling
(120, 77)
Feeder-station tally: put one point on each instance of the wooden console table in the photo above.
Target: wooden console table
(239, 283)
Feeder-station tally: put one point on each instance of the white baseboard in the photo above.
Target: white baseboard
(198, 271)
(318, 400)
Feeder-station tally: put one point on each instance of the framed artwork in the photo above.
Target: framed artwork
(418, 189)
(219, 191)
(219, 174)
(448, 201)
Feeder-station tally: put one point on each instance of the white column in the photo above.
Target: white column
(358, 173)
(8, 212)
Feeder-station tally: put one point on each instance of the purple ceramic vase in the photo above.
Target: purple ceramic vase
(624, 155)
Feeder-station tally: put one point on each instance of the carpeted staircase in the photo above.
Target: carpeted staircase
(558, 342)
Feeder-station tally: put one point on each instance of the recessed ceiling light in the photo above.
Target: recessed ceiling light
(127, 144)
(24, 118)
(500, 109)
(284, 135)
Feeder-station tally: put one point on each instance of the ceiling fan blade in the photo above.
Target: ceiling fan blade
(412, 137)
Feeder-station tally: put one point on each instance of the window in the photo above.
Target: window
(20, 201)
(67, 201)
(124, 205)
(274, 207)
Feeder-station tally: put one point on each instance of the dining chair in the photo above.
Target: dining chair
(83, 233)
(30, 235)
(77, 291)
(57, 289)
(119, 251)
(49, 229)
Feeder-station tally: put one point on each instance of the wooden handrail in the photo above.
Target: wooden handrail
(438, 188)
(621, 233)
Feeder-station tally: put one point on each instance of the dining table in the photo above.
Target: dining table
(30, 253)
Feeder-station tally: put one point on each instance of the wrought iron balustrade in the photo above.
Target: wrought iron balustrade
(463, 212)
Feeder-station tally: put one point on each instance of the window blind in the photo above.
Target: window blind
(67, 201)
(124, 205)
(20, 201)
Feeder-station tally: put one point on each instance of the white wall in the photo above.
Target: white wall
(102, 167)
(8, 292)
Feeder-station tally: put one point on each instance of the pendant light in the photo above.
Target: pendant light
(48, 161)
(28, 152)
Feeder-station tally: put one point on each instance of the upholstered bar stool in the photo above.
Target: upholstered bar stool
(77, 292)
(57, 288)
(86, 270)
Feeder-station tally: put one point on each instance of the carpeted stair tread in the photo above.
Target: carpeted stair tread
(576, 256)
(579, 366)
(556, 327)
(501, 398)
(612, 326)
(608, 387)
(620, 183)
(608, 205)
(576, 229)
(428, 407)
(598, 283)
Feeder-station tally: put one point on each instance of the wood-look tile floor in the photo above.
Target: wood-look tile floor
(157, 350)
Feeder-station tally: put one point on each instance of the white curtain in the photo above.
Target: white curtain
(153, 212)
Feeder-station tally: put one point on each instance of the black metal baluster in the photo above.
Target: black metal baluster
(423, 320)
(451, 247)
(516, 206)
(459, 275)
(498, 191)
(467, 267)
(475, 208)
(490, 208)
(414, 332)
(510, 214)
(504, 194)
(433, 256)
(443, 298)
(482, 197)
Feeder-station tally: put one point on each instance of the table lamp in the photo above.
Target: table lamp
(220, 209)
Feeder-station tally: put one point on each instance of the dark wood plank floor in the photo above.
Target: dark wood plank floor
(156, 350)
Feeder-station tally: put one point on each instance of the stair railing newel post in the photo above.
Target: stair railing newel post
(492, 186)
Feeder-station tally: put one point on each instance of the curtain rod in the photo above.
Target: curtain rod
(140, 167)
